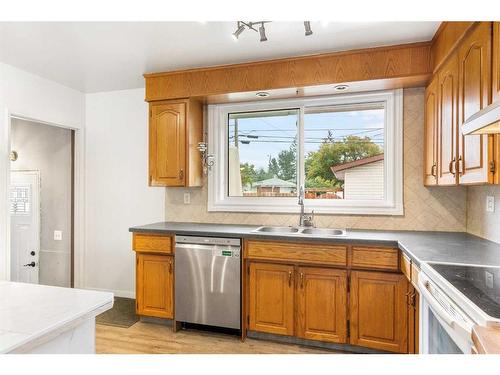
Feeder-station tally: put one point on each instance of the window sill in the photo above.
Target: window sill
(376, 209)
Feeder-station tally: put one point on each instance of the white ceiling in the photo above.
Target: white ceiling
(93, 56)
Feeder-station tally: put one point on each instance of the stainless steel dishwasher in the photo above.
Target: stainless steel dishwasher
(207, 281)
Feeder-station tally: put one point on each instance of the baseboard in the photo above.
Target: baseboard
(313, 343)
(117, 293)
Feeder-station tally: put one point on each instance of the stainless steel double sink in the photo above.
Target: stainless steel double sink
(314, 232)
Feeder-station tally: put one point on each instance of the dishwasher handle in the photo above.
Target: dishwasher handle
(194, 246)
(203, 247)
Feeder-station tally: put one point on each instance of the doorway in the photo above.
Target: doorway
(41, 203)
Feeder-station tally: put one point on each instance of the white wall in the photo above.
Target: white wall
(117, 195)
(37, 98)
(30, 96)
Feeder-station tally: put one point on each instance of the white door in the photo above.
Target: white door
(25, 226)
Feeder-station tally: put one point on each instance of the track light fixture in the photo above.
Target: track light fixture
(239, 30)
(307, 26)
(262, 32)
(251, 25)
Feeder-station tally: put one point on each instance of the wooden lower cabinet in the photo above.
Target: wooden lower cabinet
(413, 319)
(271, 299)
(378, 311)
(322, 304)
(154, 283)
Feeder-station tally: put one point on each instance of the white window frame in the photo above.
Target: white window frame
(392, 204)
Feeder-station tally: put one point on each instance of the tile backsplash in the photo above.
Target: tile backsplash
(479, 222)
(435, 209)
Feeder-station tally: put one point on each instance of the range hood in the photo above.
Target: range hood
(486, 121)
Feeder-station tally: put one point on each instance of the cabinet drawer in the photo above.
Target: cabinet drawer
(297, 252)
(405, 265)
(375, 258)
(151, 243)
(414, 275)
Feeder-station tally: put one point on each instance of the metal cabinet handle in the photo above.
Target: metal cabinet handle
(181, 174)
(450, 166)
(170, 266)
(301, 279)
(433, 169)
(289, 278)
(460, 162)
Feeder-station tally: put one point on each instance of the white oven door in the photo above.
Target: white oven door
(444, 329)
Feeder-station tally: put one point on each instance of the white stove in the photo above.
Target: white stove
(454, 298)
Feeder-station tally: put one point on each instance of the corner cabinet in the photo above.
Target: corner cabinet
(154, 275)
(175, 129)
(460, 88)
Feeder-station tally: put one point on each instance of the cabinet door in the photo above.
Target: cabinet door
(496, 61)
(496, 94)
(271, 298)
(447, 122)
(167, 144)
(379, 317)
(474, 56)
(430, 134)
(322, 304)
(413, 319)
(155, 285)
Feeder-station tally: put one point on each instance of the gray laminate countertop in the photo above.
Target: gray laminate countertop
(451, 247)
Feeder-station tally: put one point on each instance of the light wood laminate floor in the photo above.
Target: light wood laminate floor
(149, 338)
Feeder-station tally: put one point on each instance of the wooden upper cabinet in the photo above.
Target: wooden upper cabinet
(474, 56)
(379, 315)
(447, 122)
(496, 94)
(271, 299)
(175, 128)
(430, 134)
(154, 283)
(496, 62)
(322, 304)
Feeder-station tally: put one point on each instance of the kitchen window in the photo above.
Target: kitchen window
(345, 150)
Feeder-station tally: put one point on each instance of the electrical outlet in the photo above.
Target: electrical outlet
(187, 198)
(57, 235)
(490, 204)
(488, 279)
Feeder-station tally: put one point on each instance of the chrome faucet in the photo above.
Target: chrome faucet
(305, 220)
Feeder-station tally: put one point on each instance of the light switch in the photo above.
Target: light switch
(57, 235)
(187, 198)
(490, 204)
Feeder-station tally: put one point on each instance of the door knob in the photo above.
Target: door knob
(32, 264)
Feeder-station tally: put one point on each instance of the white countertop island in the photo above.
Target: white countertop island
(47, 319)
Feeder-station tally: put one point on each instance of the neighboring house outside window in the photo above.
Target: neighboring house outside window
(363, 178)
